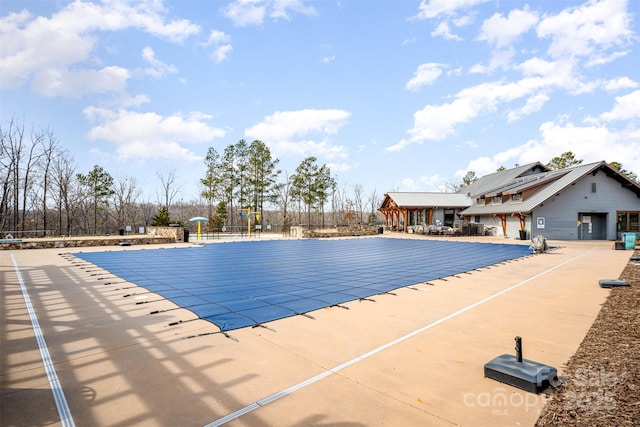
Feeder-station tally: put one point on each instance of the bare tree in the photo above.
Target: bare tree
(7, 163)
(63, 176)
(284, 195)
(373, 201)
(49, 153)
(34, 154)
(12, 151)
(169, 189)
(340, 202)
(124, 199)
(358, 201)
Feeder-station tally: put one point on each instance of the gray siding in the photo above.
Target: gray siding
(513, 226)
(561, 211)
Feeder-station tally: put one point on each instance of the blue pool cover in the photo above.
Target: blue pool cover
(248, 283)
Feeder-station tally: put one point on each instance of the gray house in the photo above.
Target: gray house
(586, 202)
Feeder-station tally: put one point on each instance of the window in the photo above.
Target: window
(449, 216)
(593, 187)
(497, 199)
(480, 201)
(516, 197)
(628, 221)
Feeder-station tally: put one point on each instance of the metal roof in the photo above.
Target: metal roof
(556, 182)
(520, 184)
(432, 199)
(498, 179)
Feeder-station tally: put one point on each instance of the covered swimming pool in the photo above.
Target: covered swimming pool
(249, 283)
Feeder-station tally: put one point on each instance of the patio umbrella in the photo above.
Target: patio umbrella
(198, 219)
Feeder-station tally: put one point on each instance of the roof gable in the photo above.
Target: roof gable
(497, 179)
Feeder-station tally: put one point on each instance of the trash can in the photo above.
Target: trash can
(186, 235)
(523, 234)
(629, 240)
(121, 232)
(380, 230)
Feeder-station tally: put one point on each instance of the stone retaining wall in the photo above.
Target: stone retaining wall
(177, 233)
(354, 230)
(82, 242)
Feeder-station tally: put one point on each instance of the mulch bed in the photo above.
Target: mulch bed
(602, 379)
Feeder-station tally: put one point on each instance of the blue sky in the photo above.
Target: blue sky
(393, 95)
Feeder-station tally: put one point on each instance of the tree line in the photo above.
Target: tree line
(43, 192)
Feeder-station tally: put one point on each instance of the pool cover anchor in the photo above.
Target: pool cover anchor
(521, 373)
(307, 315)
(260, 325)
(204, 334)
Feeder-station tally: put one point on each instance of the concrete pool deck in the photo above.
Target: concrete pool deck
(414, 357)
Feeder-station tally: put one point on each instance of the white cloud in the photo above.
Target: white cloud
(408, 184)
(246, 12)
(150, 135)
(327, 59)
(302, 132)
(587, 30)
(221, 53)
(422, 183)
(443, 31)
(603, 59)
(588, 143)
(222, 46)
(501, 32)
(534, 104)
(127, 100)
(627, 107)
(432, 182)
(436, 122)
(620, 83)
(280, 9)
(478, 69)
(463, 21)
(501, 58)
(341, 167)
(158, 68)
(54, 54)
(426, 74)
(252, 12)
(432, 8)
(218, 37)
(64, 82)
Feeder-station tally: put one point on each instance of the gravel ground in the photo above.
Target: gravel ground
(602, 380)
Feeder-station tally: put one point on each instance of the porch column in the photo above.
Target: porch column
(503, 220)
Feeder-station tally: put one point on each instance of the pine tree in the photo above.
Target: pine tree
(161, 218)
